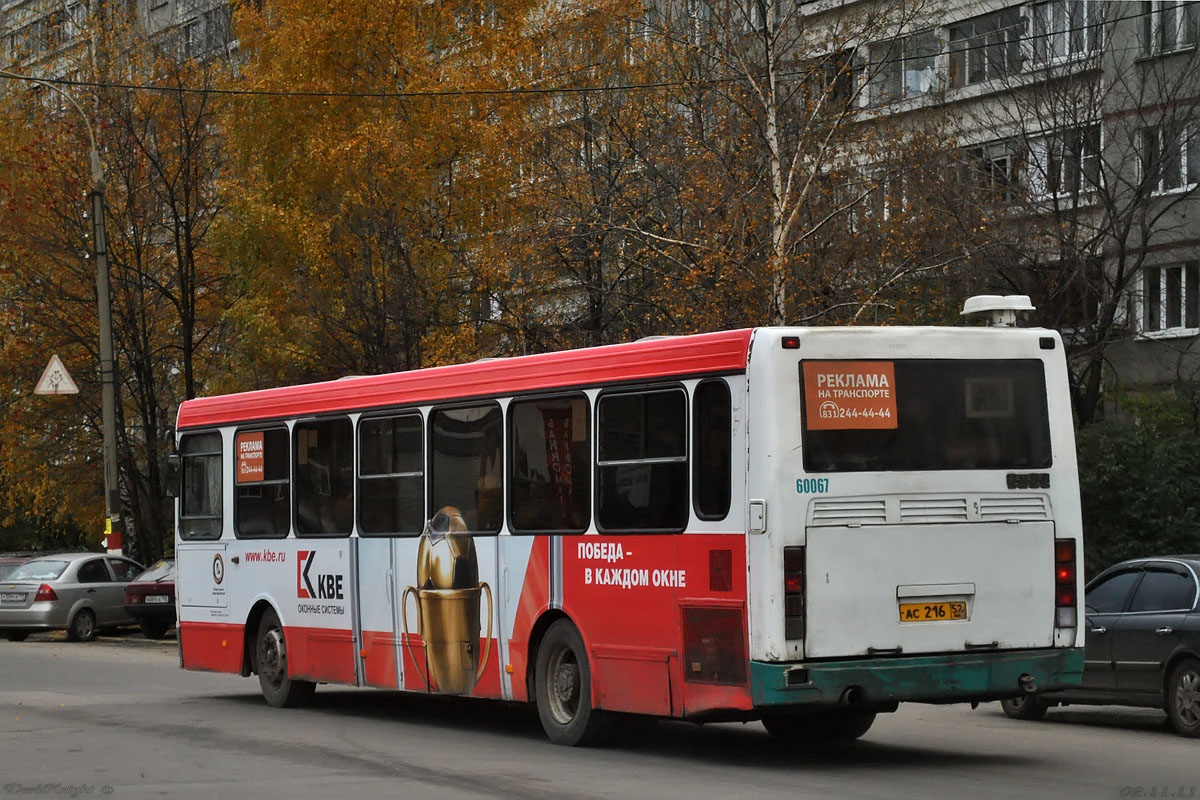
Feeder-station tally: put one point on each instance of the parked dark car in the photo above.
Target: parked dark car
(1142, 643)
(150, 599)
(81, 592)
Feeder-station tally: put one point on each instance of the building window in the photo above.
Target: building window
(1171, 298)
(887, 193)
(1065, 163)
(1066, 29)
(391, 475)
(754, 15)
(993, 169)
(324, 475)
(986, 47)
(904, 68)
(699, 20)
(1170, 159)
(549, 482)
(642, 475)
(77, 14)
(466, 448)
(1169, 26)
(263, 498)
(217, 24)
(201, 511)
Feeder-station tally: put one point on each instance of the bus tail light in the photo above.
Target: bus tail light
(44, 594)
(793, 592)
(1065, 611)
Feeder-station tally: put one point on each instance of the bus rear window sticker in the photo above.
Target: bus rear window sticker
(850, 395)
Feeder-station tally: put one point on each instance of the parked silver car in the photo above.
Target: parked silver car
(80, 592)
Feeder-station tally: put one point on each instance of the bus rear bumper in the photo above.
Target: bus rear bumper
(882, 682)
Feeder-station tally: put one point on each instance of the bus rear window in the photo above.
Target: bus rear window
(924, 415)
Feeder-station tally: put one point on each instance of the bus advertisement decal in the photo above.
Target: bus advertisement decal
(249, 457)
(849, 395)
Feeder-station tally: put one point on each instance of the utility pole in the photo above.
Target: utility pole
(108, 381)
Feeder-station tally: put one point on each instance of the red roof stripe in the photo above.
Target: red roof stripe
(726, 351)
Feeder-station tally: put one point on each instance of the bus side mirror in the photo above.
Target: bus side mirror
(172, 469)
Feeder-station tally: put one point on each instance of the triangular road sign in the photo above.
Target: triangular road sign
(55, 379)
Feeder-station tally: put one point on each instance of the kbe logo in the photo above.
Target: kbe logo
(329, 587)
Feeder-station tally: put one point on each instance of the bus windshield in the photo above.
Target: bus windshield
(924, 414)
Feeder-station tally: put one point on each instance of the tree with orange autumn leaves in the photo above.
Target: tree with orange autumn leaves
(160, 155)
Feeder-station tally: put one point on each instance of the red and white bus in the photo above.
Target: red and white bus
(805, 526)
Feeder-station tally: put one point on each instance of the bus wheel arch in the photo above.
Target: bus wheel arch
(536, 635)
(250, 637)
(563, 689)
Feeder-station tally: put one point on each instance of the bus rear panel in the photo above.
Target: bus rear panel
(914, 521)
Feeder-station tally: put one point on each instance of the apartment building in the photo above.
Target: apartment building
(1084, 117)
(50, 36)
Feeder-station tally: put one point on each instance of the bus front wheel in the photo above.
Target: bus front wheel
(563, 690)
(270, 659)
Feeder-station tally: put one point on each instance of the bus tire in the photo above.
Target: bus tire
(852, 724)
(270, 661)
(1028, 707)
(812, 727)
(563, 690)
(803, 727)
(154, 628)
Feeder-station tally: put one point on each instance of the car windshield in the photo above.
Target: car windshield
(162, 571)
(7, 569)
(43, 569)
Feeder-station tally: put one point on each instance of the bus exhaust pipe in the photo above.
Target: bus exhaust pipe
(1027, 684)
(853, 696)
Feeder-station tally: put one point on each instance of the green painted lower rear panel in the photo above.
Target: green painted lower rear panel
(962, 677)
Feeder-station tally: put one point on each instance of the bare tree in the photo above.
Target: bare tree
(1103, 118)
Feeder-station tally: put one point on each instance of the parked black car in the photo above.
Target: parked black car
(1142, 643)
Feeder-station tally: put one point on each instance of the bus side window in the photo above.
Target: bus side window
(642, 469)
(201, 505)
(324, 471)
(263, 487)
(549, 486)
(466, 447)
(712, 431)
(391, 475)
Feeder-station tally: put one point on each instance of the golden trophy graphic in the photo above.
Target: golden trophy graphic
(447, 593)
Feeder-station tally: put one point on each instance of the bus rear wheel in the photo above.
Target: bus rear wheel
(842, 725)
(563, 690)
(270, 660)
(1027, 706)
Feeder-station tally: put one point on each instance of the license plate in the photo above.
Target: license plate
(933, 612)
(157, 598)
(12, 597)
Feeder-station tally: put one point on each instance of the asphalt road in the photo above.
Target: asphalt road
(118, 718)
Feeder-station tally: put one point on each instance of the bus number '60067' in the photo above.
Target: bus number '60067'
(812, 485)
